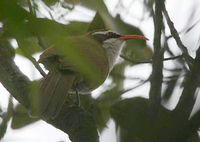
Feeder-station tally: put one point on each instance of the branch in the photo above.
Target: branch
(149, 61)
(157, 64)
(138, 85)
(37, 66)
(5, 118)
(11, 77)
(122, 76)
(29, 56)
(187, 99)
(175, 34)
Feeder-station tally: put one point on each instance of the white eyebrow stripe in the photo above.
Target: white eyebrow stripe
(101, 32)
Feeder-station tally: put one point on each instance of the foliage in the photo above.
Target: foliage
(137, 119)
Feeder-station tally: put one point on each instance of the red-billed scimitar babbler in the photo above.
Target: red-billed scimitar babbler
(64, 77)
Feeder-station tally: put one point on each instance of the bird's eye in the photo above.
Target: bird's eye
(112, 35)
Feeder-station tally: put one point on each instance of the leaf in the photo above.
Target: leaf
(28, 46)
(14, 18)
(100, 110)
(19, 23)
(97, 23)
(135, 120)
(45, 27)
(136, 50)
(94, 5)
(34, 87)
(77, 28)
(21, 117)
(78, 123)
(132, 117)
(50, 2)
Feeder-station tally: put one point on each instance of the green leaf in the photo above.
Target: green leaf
(21, 117)
(77, 28)
(50, 2)
(131, 115)
(19, 23)
(28, 46)
(136, 50)
(78, 123)
(97, 23)
(34, 87)
(95, 5)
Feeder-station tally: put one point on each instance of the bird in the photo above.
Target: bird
(66, 76)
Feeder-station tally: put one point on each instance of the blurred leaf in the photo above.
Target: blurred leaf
(95, 5)
(149, 4)
(109, 97)
(131, 112)
(21, 117)
(49, 28)
(14, 19)
(22, 2)
(28, 46)
(102, 115)
(100, 7)
(34, 87)
(136, 50)
(131, 115)
(21, 24)
(77, 28)
(137, 53)
(97, 23)
(135, 122)
(103, 105)
(100, 110)
(78, 123)
(50, 2)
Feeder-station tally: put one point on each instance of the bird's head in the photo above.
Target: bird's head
(113, 42)
(108, 36)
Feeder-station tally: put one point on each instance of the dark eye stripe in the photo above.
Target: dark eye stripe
(102, 37)
(112, 35)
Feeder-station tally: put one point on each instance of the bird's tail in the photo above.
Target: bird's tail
(53, 91)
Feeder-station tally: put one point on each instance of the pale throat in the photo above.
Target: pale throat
(113, 48)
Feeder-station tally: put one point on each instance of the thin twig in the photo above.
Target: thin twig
(31, 9)
(37, 66)
(149, 61)
(186, 30)
(118, 75)
(140, 84)
(175, 34)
